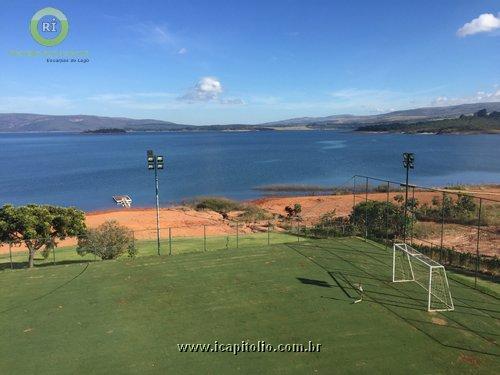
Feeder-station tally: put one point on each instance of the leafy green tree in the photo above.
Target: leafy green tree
(293, 212)
(107, 241)
(39, 226)
(378, 217)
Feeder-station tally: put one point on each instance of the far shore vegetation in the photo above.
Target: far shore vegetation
(479, 122)
(105, 131)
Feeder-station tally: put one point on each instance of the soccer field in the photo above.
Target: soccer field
(128, 316)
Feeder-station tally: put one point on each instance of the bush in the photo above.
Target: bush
(224, 205)
(330, 225)
(220, 205)
(107, 241)
(254, 213)
(462, 210)
(467, 261)
(379, 219)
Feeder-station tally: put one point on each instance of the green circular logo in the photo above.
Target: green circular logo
(52, 30)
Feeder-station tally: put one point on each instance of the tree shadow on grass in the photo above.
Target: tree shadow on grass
(24, 265)
(321, 283)
(402, 310)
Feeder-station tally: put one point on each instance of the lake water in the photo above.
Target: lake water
(86, 170)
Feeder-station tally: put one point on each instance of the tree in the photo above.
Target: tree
(39, 226)
(108, 241)
(293, 212)
(481, 113)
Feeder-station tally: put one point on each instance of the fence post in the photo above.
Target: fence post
(478, 236)
(298, 229)
(354, 193)
(204, 238)
(366, 209)
(413, 214)
(387, 216)
(354, 199)
(268, 233)
(10, 255)
(237, 234)
(169, 241)
(442, 228)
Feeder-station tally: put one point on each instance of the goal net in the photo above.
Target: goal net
(409, 264)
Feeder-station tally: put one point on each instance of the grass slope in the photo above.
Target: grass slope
(127, 316)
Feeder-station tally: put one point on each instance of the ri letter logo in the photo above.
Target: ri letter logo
(49, 26)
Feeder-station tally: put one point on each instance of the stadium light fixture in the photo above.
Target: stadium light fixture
(156, 163)
(408, 163)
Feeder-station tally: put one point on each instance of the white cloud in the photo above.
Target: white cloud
(182, 51)
(208, 90)
(484, 23)
(478, 97)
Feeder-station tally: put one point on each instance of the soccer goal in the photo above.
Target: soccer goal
(409, 264)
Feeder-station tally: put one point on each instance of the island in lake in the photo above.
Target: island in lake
(106, 131)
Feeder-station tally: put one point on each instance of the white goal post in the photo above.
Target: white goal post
(408, 264)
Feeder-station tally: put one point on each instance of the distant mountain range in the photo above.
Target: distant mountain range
(25, 122)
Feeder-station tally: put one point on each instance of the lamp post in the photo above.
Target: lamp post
(408, 163)
(155, 163)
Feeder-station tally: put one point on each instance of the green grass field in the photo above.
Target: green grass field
(127, 316)
(177, 245)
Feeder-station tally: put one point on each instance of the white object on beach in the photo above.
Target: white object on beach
(123, 200)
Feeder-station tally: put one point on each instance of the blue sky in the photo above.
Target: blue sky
(209, 62)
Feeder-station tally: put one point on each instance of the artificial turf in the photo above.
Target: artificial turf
(127, 316)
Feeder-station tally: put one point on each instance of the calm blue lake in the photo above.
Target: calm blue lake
(86, 170)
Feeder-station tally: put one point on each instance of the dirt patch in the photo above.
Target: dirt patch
(182, 221)
(439, 321)
(469, 359)
(458, 237)
(187, 222)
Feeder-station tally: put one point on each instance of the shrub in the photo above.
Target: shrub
(379, 219)
(462, 210)
(216, 204)
(330, 225)
(254, 213)
(224, 205)
(107, 241)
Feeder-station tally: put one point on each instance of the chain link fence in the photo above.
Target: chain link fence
(458, 228)
(455, 227)
(172, 240)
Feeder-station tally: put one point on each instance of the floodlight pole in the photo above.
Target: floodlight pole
(157, 209)
(406, 202)
(156, 162)
(408, 160)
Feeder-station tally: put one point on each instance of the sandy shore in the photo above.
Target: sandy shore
(188, 222)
